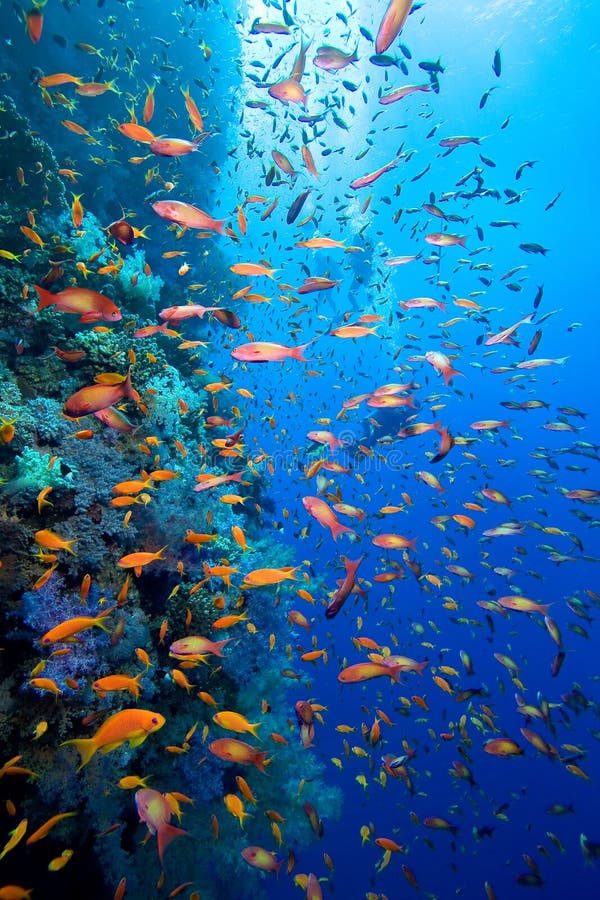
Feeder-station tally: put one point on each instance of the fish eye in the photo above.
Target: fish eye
(155, 721)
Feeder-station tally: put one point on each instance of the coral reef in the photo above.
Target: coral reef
(66, 527)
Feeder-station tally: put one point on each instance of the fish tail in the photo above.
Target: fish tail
(47, 298)
(128, 389)
(165, 834)
(352, 565)
(395, 673)
(260, 760)
(219, 646)
(337, 528)
(86, 747)
(102, 624)
(101, 619)
(449, 374)
(298, 351)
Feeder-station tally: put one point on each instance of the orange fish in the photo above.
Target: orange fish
(59, 78)
(252, 269)
(110, 683)
(98, 397)
(148, 110)
(229, 621)
(155, 811)
(265, 351)
(309, 161)
(34, 23)
(176, 146)
(394, 542)
(489, 424)
(66, 630)
(262, 859)
(234, 721)
(136, 132)
(392, 24)
(465, 521)
(232, 750)
(95, 88)
(503, 747)
(325, 516)
(90, 305)
(239, 537)
(192, 110)
(235, 806)
(261, 577)
(7, 430)
(127, 725)
(365, 671)
(32, 235)
(320, 243)
(441, 364)
(523, 604)
(43, 830)
(137, 561)
(195, 646)
(188, 216)
(52, 541)
(289, 91)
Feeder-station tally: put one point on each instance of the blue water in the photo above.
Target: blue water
(544, 97)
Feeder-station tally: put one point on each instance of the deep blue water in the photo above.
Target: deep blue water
(545, 90)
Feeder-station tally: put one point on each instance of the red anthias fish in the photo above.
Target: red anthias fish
(187, 215)
(96, 397)
(89, 305)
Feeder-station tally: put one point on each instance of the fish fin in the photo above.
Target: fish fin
(219, 645)
(86, 747)
(297, 351)
(108, 748)
(351, 565)
(136, 740)
(127, 386)
(396, 672)
(165, 834)
(219, 225)
(337, 528)
(260, 760)
(449, 374)
(46, 298)
(100, 622)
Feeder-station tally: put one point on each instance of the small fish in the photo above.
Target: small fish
(497, 64)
